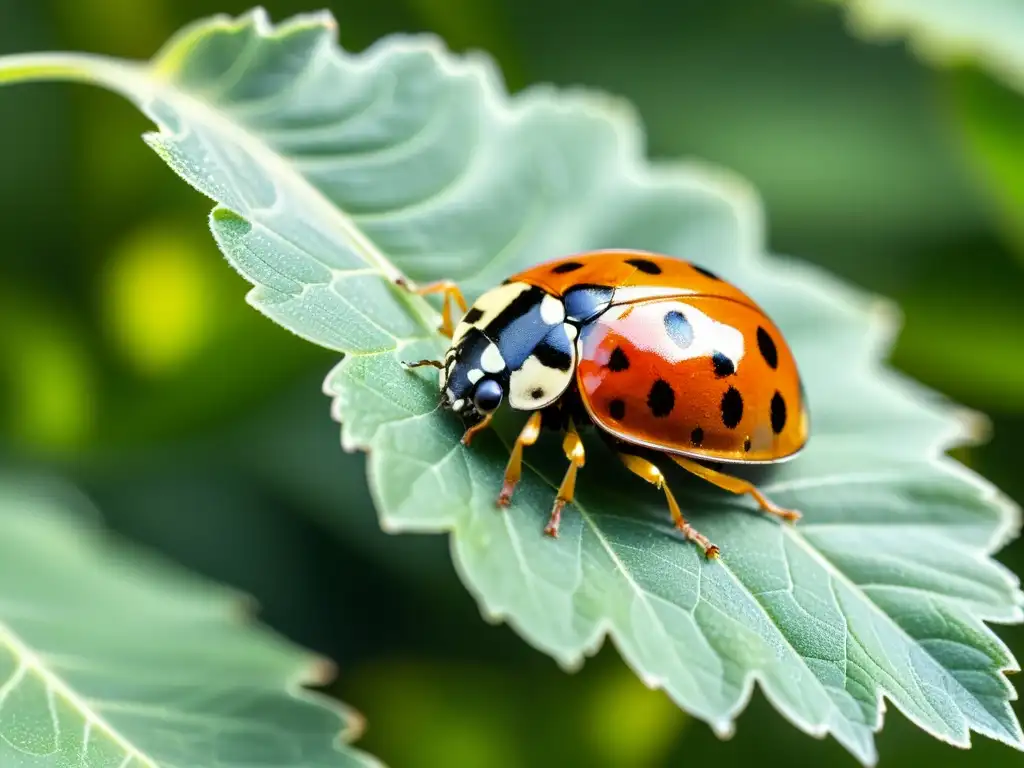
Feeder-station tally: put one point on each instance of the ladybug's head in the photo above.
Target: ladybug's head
(474, 379)
(513, 345)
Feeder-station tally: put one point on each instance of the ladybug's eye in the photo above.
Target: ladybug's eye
(487, 396)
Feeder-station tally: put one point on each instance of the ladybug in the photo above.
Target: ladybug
(663, 357)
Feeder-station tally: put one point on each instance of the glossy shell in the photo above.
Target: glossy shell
(633, 275)
(679, 360)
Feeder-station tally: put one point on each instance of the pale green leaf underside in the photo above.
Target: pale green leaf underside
(988, 32)
(330, 167)
(110, 660)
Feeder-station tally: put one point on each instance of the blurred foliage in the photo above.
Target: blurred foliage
(991, 117)
(452, 716)
(899, 177)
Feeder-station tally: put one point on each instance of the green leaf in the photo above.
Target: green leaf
(987, 32)
(990, 119)
(111, 658)
(336, 172)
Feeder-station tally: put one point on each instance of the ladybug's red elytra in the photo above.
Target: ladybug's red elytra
(662, 356)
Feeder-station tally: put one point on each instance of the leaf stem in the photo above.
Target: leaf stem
(89, 68)
(140, 83)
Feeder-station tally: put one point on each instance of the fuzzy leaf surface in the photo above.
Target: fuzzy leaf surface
(111, 659)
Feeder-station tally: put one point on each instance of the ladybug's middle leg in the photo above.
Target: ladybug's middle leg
(736, 485)
(573, 447)
(649, 472)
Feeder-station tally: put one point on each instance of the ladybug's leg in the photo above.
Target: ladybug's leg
(653, 475)
(527, 436)
(736, 485)
(450, 291)
(573, 447)
(480, 426)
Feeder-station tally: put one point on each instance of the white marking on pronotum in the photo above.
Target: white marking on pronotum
(475, 375)
(494, 301)
(552, 311)
(532, 376)
(449, 394)
(460, 330)
(491, 359)
(570, 331)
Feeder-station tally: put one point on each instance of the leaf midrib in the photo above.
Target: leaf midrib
(33, 663)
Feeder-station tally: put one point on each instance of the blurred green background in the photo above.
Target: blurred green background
(132, 363)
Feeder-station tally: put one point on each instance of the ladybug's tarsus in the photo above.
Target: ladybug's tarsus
(551, 529)
(738, 486)
(513, 470)
(480, 426)
(451, 292)
(649, 472)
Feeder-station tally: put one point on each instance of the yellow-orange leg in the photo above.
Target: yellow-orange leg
(736, 485)
(480, 426)
(451, 292)
(573, 447)
(513, 471)
(650, 473)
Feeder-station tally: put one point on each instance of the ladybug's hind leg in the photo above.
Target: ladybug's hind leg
(649, 472)
(736, 485)
(451, 292)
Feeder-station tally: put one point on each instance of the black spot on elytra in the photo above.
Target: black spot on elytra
(646, 266)
(568, 266)
(767, 347)
(697, 436)
(618, 361)
(473, 315)
(778, 413)
(678, 329)
(617, 409)
(661, 399)
(536, 393)
(732, 407)
(723, 365)
(706, 272)
(746, 444)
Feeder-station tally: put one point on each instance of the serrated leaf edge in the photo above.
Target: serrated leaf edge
(626, 123)
(872, 21)
(311, 670)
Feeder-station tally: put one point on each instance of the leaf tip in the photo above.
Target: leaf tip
(225, 217)
(321, 671)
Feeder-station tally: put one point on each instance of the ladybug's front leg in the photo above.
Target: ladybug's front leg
(513, 471)
(451, 291)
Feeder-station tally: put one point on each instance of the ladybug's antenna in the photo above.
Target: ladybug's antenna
(419, 363)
